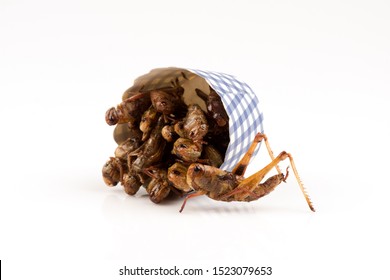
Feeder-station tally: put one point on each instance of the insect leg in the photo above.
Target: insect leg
(253, 182)
(270, 152)
(195, 194)
(135, 97)
(240, 168)
(248, 185)
(248, 194)
(307, 198)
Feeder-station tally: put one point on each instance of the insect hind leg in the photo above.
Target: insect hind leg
(248, 193)
(252, 182)
(242, 165)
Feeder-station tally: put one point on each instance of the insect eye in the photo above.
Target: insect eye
(176, 172)
(197, 168)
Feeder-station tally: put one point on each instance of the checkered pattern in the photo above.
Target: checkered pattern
(242, 107)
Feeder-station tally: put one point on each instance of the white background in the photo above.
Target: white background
(321, 70)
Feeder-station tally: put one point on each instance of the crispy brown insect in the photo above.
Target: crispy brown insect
(168, 133)
(215, 108)
(158, 188)
(151, 151)
(169, 100)
(128, 111)
(232, 186)
(132, 179)
(212, 155)
(177, 175)
(194, 126)
(131, 183)
(164, 102)
(128, 146)
(112, 171)
(148, 119)
(187, 149)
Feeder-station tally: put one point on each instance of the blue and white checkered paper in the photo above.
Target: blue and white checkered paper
(242, 107)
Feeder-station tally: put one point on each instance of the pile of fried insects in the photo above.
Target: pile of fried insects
(159, 137)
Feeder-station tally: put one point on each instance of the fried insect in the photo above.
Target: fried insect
(128, 111)
(194, 126)
(177, 175)
(158, 188)
(168, 133)
(132, 180)
(168, 100)
(151, 151)
(131, 183)
(187, 150)
(148, 119)
(215, 108)
(115, 170)
(212, 155)
(232, 186)
(165, 102)
(112, 171)
(128, 146)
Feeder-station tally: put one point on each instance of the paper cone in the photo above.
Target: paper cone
(240, 102)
